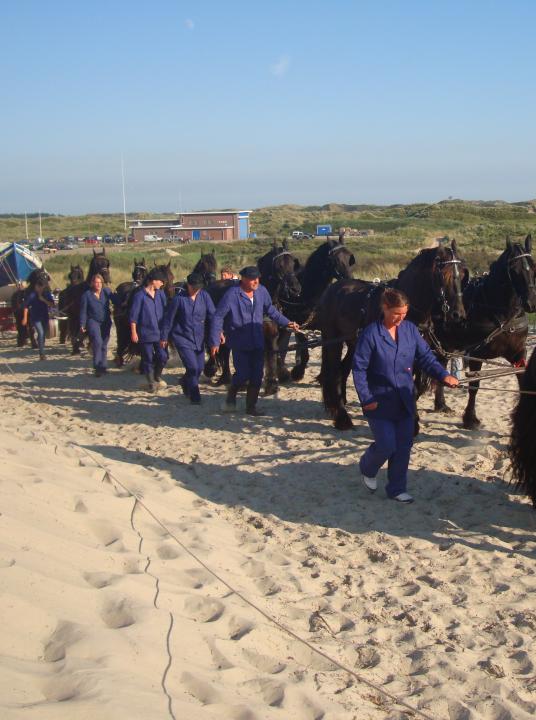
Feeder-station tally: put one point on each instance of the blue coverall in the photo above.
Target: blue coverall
(185, 322)
(95, 317)
(241, 319)
(383, 373)
(38, 311)
(148, 314)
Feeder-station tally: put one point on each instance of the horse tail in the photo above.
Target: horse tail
(522, 448)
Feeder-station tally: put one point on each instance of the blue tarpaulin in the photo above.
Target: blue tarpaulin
(16, 263)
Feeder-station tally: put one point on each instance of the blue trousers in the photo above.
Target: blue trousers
(249, 367)
(393, 440)
(152, 356)
(99, 334)
(39, 326)
(194, 362)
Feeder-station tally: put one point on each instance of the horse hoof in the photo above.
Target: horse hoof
(284, 376)
(444, 409)
(270, 390)
(471, 423)
(297, 374)
(343, 422)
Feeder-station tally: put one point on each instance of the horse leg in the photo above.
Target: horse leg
(224, 357)
(470, 420)
(331, 385)
(271, 353)
(302, 352)
(345, 369)
(439, 396)
(283, 375)
(64, 329)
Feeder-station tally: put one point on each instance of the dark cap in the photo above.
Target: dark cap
(195, 280)
(250, 272)
(156, 274)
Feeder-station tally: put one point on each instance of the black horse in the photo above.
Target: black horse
(100, 265)
(433, 283)
(75, 277)
(330, 261)
(126, 349)
(278, 268)
(496, 324)
(27, 332)
(120, 311)
(522, 445)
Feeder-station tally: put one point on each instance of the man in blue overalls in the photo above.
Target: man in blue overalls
(184, 324)
(146, 315)
(240, 315)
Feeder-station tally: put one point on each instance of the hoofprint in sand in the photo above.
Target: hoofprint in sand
(105, 615)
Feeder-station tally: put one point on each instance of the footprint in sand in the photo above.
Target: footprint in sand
(67, 687)
(520, 663)
(168, 552)
(238, 627)
(271, 692)
(264, 663)
(254, 568)
(6, 563)
(107, 534)
(79, 506)
(200, 689)
(203, 609)
(100, 579)
(55, 647)
(267, 586)
(117, 614)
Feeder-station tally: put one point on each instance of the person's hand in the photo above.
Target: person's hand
(222, 339)
(451, 381)
(370, 406)
(293, 326)
(163, 344)
(214, 350)
(134, 337)
(82, 330)
(24, 322)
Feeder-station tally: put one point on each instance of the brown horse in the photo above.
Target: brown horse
(433, 283)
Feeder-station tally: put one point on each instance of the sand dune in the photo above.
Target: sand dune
(106, 614)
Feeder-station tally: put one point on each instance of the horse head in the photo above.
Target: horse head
(520, 270)
(207, 266)
(279, 268)
(76, 275)
(339, 259)
(451, 276)
(39, 276)
(139, 271)
(168, 287)
(99, 265)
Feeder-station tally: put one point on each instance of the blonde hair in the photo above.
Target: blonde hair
(97, 276)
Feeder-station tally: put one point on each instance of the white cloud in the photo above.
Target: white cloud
(189, 23)
(280, 67)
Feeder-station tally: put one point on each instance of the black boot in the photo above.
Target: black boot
(150, 387)
(160, 384)
(230, 401)
(251, 400)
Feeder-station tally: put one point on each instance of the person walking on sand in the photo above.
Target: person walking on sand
(240, 315)
(36, 307)
(145, 317)
(185, 324)
(383, 376)
(95, 318)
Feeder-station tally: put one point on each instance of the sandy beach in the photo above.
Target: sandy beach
(134, 526)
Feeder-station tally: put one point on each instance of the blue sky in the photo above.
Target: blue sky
(245, 104)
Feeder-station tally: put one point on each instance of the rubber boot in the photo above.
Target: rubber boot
(184, 387)
(230, 401)
(160, 384)
(150, 387)
(251, 400)
(195, 396)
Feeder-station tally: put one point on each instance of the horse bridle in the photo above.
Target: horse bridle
(445, 307)
(331, 252)
(526, 267)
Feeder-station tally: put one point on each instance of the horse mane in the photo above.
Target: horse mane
(316, 261)
(424, 260)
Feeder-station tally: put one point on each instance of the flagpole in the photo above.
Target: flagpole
(124, 196)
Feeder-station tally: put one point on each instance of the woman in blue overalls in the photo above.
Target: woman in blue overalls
(383, 376)
(185, 323)
(36, 306)
(95, 318)
(146, 316)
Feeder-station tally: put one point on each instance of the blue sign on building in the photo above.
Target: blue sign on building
(323, 229)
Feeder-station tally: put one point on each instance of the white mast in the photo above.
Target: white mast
(26, 225)
(124, 197)
(40, 226)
